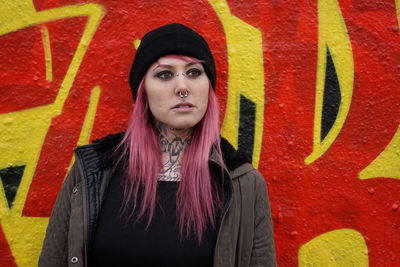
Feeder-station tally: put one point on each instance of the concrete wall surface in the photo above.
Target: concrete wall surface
(308, 89)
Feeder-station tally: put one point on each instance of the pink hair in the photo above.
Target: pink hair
(198, 196)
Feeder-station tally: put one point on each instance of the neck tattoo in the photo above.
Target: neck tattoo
(173, 143)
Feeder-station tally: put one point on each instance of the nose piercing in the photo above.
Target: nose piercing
(183, 94)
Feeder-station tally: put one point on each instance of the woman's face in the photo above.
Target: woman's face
(177, 92)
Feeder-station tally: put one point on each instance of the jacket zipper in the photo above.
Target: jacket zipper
(84, 208)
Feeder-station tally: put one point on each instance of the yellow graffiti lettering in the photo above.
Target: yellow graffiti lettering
(398, 12)
(387, 164)
(246, 74)
(84, 137)
(89, 118)
(332, 34)
(339, 248)
(136, 43)
(22, 133)
(47, 53)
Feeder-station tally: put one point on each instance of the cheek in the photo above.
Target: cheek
(205, 92)
(155, 98)
(204, 102)
(156, 105)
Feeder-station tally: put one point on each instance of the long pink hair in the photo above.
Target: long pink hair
(198, 196)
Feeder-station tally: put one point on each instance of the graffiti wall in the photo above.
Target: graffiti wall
(308, 89)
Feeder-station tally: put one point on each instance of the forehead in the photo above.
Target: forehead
(174, 62)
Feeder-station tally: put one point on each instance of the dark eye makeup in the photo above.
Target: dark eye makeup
(166, 75)
(193, 73)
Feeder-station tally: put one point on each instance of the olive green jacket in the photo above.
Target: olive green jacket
(245, 236)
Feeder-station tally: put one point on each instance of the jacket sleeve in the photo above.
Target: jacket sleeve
(263, 252)
(55, 245)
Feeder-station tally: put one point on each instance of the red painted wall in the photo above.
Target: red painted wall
(307, 200)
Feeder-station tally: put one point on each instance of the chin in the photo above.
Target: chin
(183, 125)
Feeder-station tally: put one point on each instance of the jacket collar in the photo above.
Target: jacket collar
(236, 163)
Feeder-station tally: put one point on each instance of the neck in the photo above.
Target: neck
(173, 143)
(169, 134)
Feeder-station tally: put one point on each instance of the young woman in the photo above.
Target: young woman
(169, 191)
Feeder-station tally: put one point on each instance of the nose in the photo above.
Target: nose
(181, 86)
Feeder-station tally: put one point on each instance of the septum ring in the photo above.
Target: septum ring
(183, 94)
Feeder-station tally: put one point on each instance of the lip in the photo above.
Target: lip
(183, 107)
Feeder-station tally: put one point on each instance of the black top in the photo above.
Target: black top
(120, 241)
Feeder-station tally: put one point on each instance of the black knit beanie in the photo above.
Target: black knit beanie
(170, 39)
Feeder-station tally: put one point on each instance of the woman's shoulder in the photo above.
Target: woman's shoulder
(104, 151)
(241, 170)
(248, 175)
(238, 162)
(105, 144)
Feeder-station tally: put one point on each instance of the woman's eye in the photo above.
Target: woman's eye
(193, 73)
(165, 75)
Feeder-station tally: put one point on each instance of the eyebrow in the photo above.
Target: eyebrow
(170, 67)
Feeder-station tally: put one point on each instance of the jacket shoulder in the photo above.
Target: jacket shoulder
(102, 153)
(248, 174)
